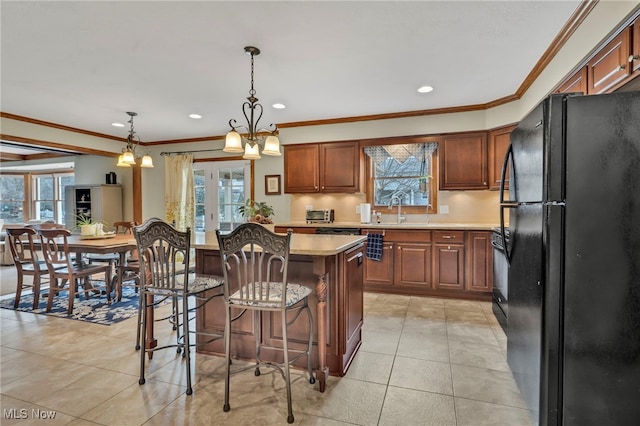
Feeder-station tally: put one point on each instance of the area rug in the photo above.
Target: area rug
(95, 310)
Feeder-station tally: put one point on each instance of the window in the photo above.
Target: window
(403, 173)
(12, 198)
(48, 196)
(221, 187)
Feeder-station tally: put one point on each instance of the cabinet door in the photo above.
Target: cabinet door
(479, 261)
(379, 273)
(634, 58)
(576, 83)
(301, 168)
(498, 145)
(339, 167)
(352, 296)
(464, 162)
(448, 266)
(413, 264)
(611, 64)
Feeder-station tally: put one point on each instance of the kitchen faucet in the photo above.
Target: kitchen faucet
(397, 197)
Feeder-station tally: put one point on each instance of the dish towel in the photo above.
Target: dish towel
(374, 246)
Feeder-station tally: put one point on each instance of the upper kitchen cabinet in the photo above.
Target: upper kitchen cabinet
(463, 161)
(324, 167)
(498, 145)
(634, 58)
(611, 64)
(576, 83)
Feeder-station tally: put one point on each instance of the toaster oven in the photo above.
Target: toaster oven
(320, 216)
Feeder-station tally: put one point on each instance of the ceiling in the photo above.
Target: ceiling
(83, 64)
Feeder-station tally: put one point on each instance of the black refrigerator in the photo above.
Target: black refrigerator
(573, 336)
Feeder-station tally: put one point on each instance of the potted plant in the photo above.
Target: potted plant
(257, 211)
(88, 226)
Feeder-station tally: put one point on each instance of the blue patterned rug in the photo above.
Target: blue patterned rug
(95, 309)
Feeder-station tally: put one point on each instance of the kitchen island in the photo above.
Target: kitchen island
(332, 265)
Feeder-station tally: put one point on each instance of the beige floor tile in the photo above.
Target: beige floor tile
(411, 407)
(309, 420)
(421, 346)
(380, 342)
(423, 301)
(425, 327)
(458, 316)
(478, 413)
(464, 305)
(351, 401)
(371, 367)
(423, 375)
(477, 355)
(473, 333)
(426, 312)
(486, 385)
(382, 324)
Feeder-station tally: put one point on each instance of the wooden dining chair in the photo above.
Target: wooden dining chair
(55, 250)
(131, 266)
(25, 258)
(164, 254)
(255, 262)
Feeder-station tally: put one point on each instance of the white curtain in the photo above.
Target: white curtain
(179, 198)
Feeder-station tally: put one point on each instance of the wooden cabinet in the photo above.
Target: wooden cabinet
(463, 161)
(448, 263)
(479, 276)
(413, 265)
(448, 260)
(102, 203)
(634, 57)
(326, 168)
(611, 64)
(353, 303)
(379, 273)
(498, 145)
(576, 83)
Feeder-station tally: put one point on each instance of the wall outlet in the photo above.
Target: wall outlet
(443, 209)
(357, 209)
(309, 207)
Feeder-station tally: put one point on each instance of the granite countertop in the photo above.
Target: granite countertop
(307, 244)
(390, 225)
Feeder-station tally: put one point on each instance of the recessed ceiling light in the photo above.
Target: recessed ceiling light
(279, 106)
(195, 116)
(117, 124)
(425, 89)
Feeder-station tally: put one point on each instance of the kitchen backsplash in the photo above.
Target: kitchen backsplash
(464, 207)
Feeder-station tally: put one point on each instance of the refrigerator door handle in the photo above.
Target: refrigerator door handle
(505, 204)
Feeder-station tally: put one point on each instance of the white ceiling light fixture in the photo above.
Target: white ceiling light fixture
(252, 139)
(279, 106)
(128, 156)
(195, 116)
(425, 89)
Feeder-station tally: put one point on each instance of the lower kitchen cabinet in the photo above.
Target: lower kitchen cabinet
(447, 263)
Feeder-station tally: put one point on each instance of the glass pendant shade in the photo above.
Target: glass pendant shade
(271, 146)
(121, 163)
(147, 161)
(128, 158)
(233, 142)
(251, 152)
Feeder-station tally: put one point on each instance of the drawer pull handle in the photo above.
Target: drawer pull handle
(448, 237)
(633, 58)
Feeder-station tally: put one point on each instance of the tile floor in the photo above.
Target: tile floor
(423, 361)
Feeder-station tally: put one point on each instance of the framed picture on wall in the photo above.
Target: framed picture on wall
(272, 184)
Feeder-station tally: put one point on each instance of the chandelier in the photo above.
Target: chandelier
(252, 138)
(128, 156)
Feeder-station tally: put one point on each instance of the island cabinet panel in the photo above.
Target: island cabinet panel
(499, 140)
(332, 167)
(413, 265)
(611, 64)
(344, 282)
(446, 263)
(479, 261)
(463, 162)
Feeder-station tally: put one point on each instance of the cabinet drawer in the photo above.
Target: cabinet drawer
(448, 237)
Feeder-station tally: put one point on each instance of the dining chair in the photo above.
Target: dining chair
(164, 255)
(131, 266)
(55, 250)
(255, 265)
(25, 258)
(112, 258)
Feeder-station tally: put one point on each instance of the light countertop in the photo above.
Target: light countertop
(391, 225)
(306, 244)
